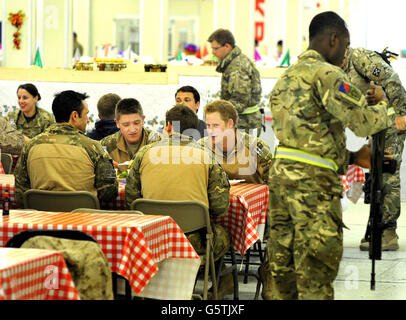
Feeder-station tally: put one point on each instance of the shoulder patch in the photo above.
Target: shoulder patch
(376, 71)
(350, 91)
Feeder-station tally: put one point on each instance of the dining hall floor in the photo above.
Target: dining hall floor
(353, 280)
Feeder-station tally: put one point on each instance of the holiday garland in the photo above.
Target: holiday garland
(16, 20)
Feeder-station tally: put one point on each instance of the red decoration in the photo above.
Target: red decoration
(16, 20)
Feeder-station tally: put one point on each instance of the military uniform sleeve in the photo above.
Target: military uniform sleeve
(265, 158)
(105, 180)
(218, 191)
(11, 140)
(347, 103)
(133, 186)
(372, 67)
(22, 178)
(238, 88)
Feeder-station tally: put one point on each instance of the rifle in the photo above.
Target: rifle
(375, 192)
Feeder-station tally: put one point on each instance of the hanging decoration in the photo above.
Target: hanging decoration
(16, 20)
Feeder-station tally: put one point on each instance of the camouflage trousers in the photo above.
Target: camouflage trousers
(305, 245)
(86, 262)
(222, 241)
(394, 143)
(249, 122)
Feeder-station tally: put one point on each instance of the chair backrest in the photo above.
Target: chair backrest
(189, 215)
(59, 200)
(17, 240)
(7, 162)
(86, 210)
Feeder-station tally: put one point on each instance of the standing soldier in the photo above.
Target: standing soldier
(363, 66)
(240, 81)
(312, 104)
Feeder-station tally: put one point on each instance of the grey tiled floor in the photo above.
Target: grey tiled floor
(353, 280)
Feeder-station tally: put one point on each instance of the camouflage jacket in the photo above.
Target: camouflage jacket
(178, 168)
(43, 119)
(63, 158)
(240, 81)
(117, 147)
(363, 66)
(11, 140)
(312, 103)
(250, 153)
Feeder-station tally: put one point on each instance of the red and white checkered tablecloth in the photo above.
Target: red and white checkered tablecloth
(246, 215)
(246, 218)
(136, 246)
(1, 169)
(7, 184)
(353, 182)
(34, 274)
(119, 202)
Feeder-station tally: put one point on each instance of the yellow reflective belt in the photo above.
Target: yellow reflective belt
(251, 109)
(305, 157)
(391, 111)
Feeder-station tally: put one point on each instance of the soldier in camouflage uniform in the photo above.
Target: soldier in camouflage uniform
(86, 262)
(178, 168)
(124, 144)
(240, 81)
(241, 155)
(11, 140)
(363, 66)
(312, 104)
(63, 158)
(31, 120)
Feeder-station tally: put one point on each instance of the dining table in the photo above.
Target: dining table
(35, 274)
(150, 251)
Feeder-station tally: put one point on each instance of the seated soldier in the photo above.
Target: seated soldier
(191, 97)
(241, 155)
(124, 144)
(63, 158)
(106, 126)
(192, 175)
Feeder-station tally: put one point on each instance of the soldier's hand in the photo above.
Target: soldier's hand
(362, 157)
(115, 164)
(400, 122)
(375, 94)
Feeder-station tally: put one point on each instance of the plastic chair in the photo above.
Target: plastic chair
(65, 201)
(7, 162)
(190, 216)
(88, 210)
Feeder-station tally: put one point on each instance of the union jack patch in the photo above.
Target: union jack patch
(350, 91)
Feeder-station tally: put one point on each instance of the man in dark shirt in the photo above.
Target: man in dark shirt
(106, 126)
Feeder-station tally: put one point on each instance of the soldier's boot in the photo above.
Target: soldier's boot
(266, 283)
(390, 240)
(364, 246)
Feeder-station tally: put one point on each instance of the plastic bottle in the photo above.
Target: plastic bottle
(6, 204)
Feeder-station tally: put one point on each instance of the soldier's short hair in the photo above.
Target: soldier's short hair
(65, 103)
(225, 108)
(190, 89)
(222, 36)
(327, 21)
(185, 116)
(128, 106)
(31, 89)
(106, 106)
